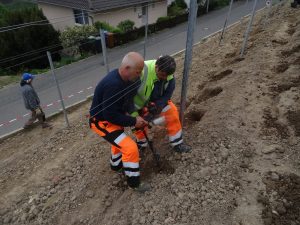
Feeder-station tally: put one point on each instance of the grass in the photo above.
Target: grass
(6, 80)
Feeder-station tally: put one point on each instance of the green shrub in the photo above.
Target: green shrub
(181, 4)
(215, 4)
(175, 10)
(106, 26)
(162, 19)
(72, 36)
(126, 25)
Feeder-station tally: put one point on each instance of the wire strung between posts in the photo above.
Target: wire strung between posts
(36, 23)
(20, 56)
(29, 53)
(39, 57)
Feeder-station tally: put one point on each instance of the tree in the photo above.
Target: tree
(3, 10)
(26, 39)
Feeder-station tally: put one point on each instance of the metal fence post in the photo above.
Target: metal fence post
(146, 31)
(102, 35)
(226, 20)
(58, 88)
(207, 5)
(188, 55)
(248, 28)
(269, 4)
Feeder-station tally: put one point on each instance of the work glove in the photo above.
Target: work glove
(149, 112)
(152, 108)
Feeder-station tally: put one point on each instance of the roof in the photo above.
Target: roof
(94, 5)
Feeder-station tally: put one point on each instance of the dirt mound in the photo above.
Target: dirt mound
(242, 122)
(281, 200)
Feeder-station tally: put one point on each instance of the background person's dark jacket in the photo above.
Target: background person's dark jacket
(30, 97)
(162, 92)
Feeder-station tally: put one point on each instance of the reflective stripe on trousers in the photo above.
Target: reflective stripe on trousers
(124, 151)
(173, 125)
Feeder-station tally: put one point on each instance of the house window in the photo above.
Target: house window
(81, 16)
(134, 9)
(153, 5)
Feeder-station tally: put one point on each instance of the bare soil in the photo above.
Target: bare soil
(242, 121)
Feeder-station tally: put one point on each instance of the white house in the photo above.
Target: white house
(66, 13)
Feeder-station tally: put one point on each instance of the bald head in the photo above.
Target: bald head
(131, 66)
(132, 59)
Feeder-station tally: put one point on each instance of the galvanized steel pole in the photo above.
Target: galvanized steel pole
(146, 31)
(207, 5)
(188, 55)
(226, 20)
(58, 88)
(103, 44)
(248, 29)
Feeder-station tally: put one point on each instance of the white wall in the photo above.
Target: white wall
(60, 17)
(133, 13)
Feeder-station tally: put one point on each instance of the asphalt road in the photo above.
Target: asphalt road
(77, 81)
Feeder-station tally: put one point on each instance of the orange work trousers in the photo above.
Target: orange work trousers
(124, 151)
(173, 126)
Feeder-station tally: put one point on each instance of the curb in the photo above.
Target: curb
(51, 116)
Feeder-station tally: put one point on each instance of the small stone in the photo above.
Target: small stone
(69, 174)
(262, 199)
(274, 176)
(24, 217)
(207, 161)
(207, 195)
(31, 216)
(281, 150)
(270, 149)
(108, 203)
(115, 182)
(280, 208)
(248, 153)
(214, 172)
(169, 220)
(224, 153)
(90, 194)
(142, 220)
(244, 165)
(177, 157)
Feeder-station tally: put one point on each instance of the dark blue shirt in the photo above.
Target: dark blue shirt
(113, 98)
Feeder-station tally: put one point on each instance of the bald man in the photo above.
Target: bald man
(112, 101)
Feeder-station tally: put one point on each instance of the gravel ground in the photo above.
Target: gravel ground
(242, 121)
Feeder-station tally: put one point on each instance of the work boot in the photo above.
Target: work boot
(182, 148)
(142, 188)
